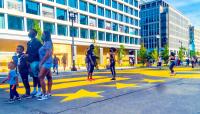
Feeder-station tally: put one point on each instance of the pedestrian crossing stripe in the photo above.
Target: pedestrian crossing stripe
(121, 85)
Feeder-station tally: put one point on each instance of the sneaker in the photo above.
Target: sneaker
(113, 79)
(38, 94)
(26, 96)
(18, 98)
(34, 93)
(11, 101)
(49, 94)
(43, 97)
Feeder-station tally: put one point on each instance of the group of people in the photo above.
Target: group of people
(36, 62)
(91, 62)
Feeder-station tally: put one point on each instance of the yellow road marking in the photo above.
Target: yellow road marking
(121, 85)
(79, 94)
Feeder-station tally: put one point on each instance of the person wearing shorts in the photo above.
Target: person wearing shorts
(32, 55)
(46, 62)
(91, 61)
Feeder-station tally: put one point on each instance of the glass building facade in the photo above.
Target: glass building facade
(163, 25)
(112, 21)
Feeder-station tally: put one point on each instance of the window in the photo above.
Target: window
(126, 19)
(132, 32)
(108, 37)
(84, 33)
(63, 2)
(108, 13)
(108, 2)
(93, 34)
(51, 0)
(126, 39)
(136, 3)
(48, 11)
(131, 40)
(73, 31)
(108, 25)
(136, 22)
(121, 28)
(114, 15)
(72, 3)
(131, 2)
(12, 20)
(83, 19)
(1, 3)
(136, 41)
(120, 7)
(15, 5)
(136, 13)
(131, 21)
(92, 22)
(126, 9)
(101, 23)
(83, 5)
(115, 38)
(126, 29)
(100, 11)
(2, 21)
(115, 26)
(114, 4)
(126, 1)
(49, 27)
(101, 36)
(31, 22)
(120, 17)
(32, 7)
(101, 1)
(92, 8)
(61, 14)
(62, 30)
(121, 39)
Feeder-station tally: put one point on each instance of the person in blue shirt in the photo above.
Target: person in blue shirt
(46, 62)
(13, 82)
(91, 61)
(23, 70)
(112, 63)
(32, 55)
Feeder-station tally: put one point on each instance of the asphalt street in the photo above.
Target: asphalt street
(134, 92)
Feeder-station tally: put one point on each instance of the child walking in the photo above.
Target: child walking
(13, 81)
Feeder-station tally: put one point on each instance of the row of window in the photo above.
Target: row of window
(63, 30)
(61, 14)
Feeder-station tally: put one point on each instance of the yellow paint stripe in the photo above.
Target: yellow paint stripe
(76, 84)
(56, 81)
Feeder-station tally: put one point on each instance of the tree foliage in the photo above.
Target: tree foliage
(165, 54)
(36, 26)
(143, 54)
(121, 52)
(181, 53)
(154, 54)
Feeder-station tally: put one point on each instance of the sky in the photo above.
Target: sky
(190, 8)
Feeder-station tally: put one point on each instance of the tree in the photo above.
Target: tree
(154, 54)
(181, 53)
(193, 53)
(121, 53)
(143, 54)
(36, 26)
(165, 54)
(96, 49)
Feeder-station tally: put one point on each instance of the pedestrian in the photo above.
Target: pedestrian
(32, 55)
(23, 70)
(160, 62)
(13, 82)
(112, 63)
(193, 61)
(91, 61)
(172, 63)
(187, 62)
(64, 61)
(46, 62)
(56, 62)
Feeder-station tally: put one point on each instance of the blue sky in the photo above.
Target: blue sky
(190, 8)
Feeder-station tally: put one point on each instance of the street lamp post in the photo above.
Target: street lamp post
(72, 18)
